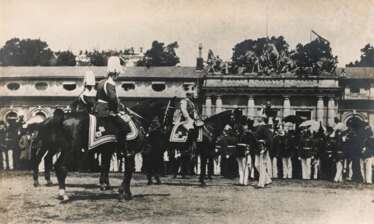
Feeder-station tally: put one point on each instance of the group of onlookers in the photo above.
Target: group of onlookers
(14, 142)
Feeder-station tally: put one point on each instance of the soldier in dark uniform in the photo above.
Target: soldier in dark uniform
(368, 156)
(305, 154)
(108, 104)
(338, 157)
(288, 155)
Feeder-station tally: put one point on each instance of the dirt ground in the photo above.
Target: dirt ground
(183, 201)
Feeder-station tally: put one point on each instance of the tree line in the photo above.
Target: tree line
(262, 55)
(35, 52)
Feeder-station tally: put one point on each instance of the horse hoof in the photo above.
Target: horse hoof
(203, 184)
(49, 184)
(36, 184)
(149, 183)
(127, 196)
(65, 199)
(102, 187)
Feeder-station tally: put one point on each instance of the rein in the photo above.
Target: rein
(134, 113)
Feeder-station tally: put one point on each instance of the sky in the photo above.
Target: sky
(217, 24)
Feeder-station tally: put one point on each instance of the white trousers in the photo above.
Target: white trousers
(274, 162)
(315, 167)
(339, 171)
(8, 159)
(368, 170)
(262, 168)
(287, 167)
(306, 168)
(244, 164)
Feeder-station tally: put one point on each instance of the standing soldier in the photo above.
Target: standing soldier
(260, 164)
(305, 154)
(108, 104)
(277, 149)
(243, 157)
(368, 155)
(338, 156)
(2, 144)
(288, 153)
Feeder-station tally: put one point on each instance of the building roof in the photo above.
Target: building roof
(356, 72)
(79, 71)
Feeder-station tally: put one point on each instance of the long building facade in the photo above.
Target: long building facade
(349, 92)
(26, 91)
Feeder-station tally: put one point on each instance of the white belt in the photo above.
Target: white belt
(101, 101)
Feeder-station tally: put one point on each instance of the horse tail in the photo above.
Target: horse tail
(58, 117)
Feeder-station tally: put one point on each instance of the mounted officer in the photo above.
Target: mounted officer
(189, 116)
(108, 104)
(87, 99)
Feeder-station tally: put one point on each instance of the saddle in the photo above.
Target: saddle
(103, 130)
(179, 133)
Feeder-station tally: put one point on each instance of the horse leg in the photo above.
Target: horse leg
(124, 189)
(203, 162)
(105, 166)
(47, 167)
(36, 159)
(61, 173)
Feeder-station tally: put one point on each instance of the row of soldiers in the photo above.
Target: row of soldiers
(330, 155)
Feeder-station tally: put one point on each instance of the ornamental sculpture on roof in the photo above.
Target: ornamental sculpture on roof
(271, 56)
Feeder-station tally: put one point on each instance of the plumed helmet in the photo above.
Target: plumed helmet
(89, 79)
(114, 65)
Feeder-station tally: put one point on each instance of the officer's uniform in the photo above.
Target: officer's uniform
(261, 164)
(107, 104)
(338, 157)
(305, 154)
(368, 155)
(287, 152)
(107, 99)
(189, 113)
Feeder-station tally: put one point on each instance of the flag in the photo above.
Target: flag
(320, 37)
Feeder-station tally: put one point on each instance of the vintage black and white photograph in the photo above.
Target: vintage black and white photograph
(187, 111)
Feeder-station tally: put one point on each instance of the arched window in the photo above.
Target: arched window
(41, 85)
(128, 86)
(13, 86)
(69, 86)
(42, 114)
(158, 86)
(11, 116)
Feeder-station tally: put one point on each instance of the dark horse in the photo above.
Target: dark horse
(74, 135)
(46, 144)
(213, 127)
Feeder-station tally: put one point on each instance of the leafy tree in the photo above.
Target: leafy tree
(97, 58)
(315, 57)
(65, 58)
(25, 52)
(160, 55)
(366, 59)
